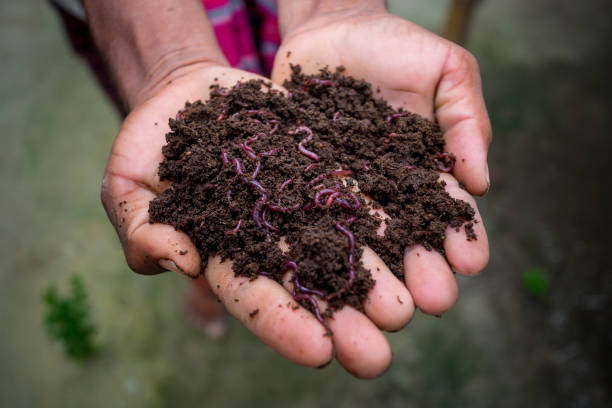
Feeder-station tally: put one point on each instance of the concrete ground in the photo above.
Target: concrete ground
(545, 67)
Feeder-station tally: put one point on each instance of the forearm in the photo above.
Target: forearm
(148, 43)
(292, 13)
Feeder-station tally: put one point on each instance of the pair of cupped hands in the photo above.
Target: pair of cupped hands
(415, 70)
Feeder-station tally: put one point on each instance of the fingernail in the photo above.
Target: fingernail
(170, 265)
(487, 178)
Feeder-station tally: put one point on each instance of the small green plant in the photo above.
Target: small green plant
(68, 320)
(536, 282)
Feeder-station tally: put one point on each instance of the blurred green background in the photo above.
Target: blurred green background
(532, 330)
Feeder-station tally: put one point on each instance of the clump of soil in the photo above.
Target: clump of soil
(253, 165)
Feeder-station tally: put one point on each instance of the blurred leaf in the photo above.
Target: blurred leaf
(536, 282)
(68, 320)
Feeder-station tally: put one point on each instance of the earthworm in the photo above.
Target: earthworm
(275, 128)
(337, 115)
(351, 244)
(317, 311)
(331, 198)
(309, 206)
(275, 208)
(221, 116)
(228, 195)
(179, 114)
(248, 150)
(310, 166)
(352, 219)
(298, 287)
(256, 171)
(395, 116)
(320, 193)
(311, 155)
(255, 184)
(337, 173)
(446, 162)
(301, 292)
(317, 81)
(259, 204)
(285, 184)
(365, 166)
(264, 273)
(224, 158)
(221, 92)
(259, 112)
(270, 152)
(388, 138)
(235, 229)
(265, 222)
(239, 167)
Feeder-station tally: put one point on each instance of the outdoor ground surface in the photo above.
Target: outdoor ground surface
(545, 67)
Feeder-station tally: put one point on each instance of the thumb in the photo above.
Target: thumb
(149, 248)
(461, 112)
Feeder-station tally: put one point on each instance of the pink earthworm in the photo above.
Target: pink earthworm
(239, 167)
(270, 152)
(317, 311)
(235, 229)
(179, 114)
(311, 166)
(248, 150)
(391, 135)
(321, 193)
(274, 129)
(265, 222)
(275, 208)
(336, 173)
(224, 158)
(256, 171)
(311, 155)
(221, 92)
(285, 184)
(446, 162)
(317, 81)
(395, 116)
(337, 115)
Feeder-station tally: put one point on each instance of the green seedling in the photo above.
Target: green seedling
(68, 320)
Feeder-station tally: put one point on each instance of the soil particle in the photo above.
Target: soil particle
(253, 313)
(253, 165)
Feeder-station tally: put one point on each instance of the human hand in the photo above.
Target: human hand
(423, 73)
(131, 181)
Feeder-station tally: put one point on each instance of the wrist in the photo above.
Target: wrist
(147, 44)
(295, 14)
(168, 68)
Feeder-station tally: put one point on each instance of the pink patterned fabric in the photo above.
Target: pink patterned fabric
(247, 31)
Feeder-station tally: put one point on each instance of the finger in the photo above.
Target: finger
(266, 309)
(462, 115)
(360, 347)
(389, 304)
(466, 257)
(149, 248)
(429, 280)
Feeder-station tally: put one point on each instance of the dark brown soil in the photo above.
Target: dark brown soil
(394, 157)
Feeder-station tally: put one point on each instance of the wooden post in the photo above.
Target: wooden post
(458, 20)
